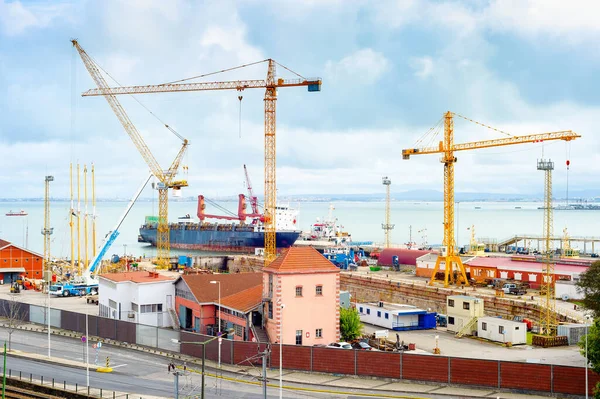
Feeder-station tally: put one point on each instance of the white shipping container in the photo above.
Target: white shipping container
(501, 330)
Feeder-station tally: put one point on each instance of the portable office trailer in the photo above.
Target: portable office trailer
(396, 316)
(573, 332)
(461, 309)
(502, 330)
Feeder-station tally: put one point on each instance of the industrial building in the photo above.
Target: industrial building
(502, 330)
(425, 264)
(141, 297)
(462, 312)
(302, 298)
(16, 261)
(234, 300)
(403, 257)
(396, 316)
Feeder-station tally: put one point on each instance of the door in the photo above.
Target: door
(159, 319)
(169, 302)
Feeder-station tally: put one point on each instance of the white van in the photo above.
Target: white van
(506, 287)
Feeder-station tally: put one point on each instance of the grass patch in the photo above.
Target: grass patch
(529, 338)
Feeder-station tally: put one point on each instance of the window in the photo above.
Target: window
(298, 337)
(451, 320)
(112, 304)
(501, 329)
(484, 326)
(134, 307)
(270, 285)
(466, 305)
(299, 290)
(516, 328)
(451, 303)
(387, 316)
(319, 290)
(270, 310)
(239, 330)
(319, 333)
(360, 309)
(368, 311)
(378, 313)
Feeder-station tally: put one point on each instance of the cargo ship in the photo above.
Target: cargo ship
(20, 213)
(235, 236)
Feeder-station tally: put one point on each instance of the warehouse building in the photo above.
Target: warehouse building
(16, 261)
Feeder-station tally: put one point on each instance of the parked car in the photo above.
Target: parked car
(320, 346)
(340, 345)
(507, 287)
(363, 346)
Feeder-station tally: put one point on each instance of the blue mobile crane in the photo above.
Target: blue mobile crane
(87, 283)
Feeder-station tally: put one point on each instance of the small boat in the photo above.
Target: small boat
(477, 207)
(517, 207)
(20, 213)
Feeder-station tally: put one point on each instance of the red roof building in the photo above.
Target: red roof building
(16, 261)
(198, 307)
(301, 291)
(405, 256)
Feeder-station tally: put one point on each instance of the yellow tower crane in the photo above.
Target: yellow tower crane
(166, 178)
(447, 148)
(270, 84)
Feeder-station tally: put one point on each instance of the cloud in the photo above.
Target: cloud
(576, 21)
(16, 18)
(364, 66)
(423, 66)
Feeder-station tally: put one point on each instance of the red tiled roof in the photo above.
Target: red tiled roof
(301, 260)
(244, 301)
(136, 277)
(232, 285)
(3, 243)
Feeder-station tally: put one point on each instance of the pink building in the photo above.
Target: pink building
(308, 286)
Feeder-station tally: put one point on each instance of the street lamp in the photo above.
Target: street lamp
(282, 306)
(219, 309)
(176, 341)
(587, 319)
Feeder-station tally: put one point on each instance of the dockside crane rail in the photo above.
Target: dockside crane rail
(447, 147)
(270, 84)
(166, 177)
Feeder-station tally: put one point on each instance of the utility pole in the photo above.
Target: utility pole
(265, 355)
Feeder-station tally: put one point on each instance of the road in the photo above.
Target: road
(146, 374)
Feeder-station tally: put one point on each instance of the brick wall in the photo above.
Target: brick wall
(533, 377)
(378, 364)
(425, 368)
(294, 357)
(571, 380)
(474, 372)
(332, 360)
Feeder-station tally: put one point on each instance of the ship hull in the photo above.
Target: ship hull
(231, 240)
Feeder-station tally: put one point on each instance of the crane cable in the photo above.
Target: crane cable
(139, 102)
(240, 116)
(214, 73)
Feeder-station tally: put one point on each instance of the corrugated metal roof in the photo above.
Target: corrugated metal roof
(505, 263)
(405, 256)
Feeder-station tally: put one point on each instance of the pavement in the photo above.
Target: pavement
(333, 384)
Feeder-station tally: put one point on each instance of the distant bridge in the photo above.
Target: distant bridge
(524, 238)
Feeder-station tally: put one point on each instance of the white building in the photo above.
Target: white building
(395, 316)
(501, 330)
(139, 297)
(463, 310)
(567, 290)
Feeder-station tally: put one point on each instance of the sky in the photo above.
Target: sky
(390, 69)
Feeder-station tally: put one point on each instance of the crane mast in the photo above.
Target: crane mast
(447, 148)
(270, 84)
(253, 198)
(165, 177)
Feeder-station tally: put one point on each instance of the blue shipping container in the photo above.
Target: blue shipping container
(427, 321)
(182, 260)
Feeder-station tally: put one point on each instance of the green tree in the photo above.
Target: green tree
(589, 285)
(593, 350)
(350, 325)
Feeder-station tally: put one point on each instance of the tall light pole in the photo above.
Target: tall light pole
(219, 310)
(281, 352)
(587, 319)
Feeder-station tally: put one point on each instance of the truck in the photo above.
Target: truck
(87, 283)
(72, 288)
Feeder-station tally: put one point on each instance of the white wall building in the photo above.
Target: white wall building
(461, 310)
(567, 290)
(502, 330)
(392, 316)
(139, 297)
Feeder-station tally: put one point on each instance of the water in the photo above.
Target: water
(363, 220)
